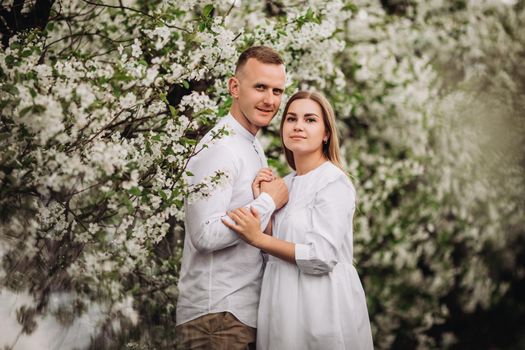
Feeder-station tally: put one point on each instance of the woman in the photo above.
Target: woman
(311, 295)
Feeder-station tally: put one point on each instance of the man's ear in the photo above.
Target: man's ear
(233, 87)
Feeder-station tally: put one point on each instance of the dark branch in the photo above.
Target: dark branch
(15, 21)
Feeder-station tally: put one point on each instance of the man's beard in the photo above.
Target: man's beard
(249, 122)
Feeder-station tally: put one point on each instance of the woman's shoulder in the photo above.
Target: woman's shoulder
(333, 185)
(326, 177)
(335, 177)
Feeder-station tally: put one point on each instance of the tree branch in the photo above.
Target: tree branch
(16, 21)
(121, 7)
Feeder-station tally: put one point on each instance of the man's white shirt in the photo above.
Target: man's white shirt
(220, 272)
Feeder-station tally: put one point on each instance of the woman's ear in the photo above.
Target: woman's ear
(233, 87)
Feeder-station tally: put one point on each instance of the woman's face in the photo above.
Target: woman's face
(303, 127)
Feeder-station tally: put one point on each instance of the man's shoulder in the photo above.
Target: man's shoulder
(218, 144)
(221, 136)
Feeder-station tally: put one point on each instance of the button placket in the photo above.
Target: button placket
(261, 162)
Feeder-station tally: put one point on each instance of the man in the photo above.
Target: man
(221, 274)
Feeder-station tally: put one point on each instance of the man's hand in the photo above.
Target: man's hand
(277, 190)
(264, 174)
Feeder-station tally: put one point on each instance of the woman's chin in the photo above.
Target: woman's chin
(301, 151)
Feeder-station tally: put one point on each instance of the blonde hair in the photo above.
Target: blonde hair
(331, 147)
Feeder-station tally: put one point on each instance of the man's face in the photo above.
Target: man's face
(257, 91)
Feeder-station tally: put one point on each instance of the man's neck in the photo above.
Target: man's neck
(238, 115)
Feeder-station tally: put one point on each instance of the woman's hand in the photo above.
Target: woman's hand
(265, 174)
(247, 224)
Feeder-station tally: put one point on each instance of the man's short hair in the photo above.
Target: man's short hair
(262, 54)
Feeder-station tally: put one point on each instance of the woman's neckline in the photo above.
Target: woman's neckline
(311, 171)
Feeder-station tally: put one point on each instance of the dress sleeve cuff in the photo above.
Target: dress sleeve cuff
(309, 264)
(301, 253)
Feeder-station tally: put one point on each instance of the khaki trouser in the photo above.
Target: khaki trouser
(218, 331)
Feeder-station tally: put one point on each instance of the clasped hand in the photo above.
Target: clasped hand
(265, 181)
(247, 223)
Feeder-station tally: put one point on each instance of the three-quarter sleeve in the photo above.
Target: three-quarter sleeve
(331, 219)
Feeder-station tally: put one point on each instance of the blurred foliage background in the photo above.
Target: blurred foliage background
(101, 105)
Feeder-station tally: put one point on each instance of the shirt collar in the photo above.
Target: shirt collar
(239, 129)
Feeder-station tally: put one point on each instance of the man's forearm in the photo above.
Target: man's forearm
(213, 235)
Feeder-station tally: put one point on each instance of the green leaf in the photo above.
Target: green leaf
(26, 53)
(10, 88)
(26, 110)
(135, 191)
(3, 103)
(128, 204)
(186, 84)
(10, 60)
(173, 111)
(309, 14)
(15, 46)
(109, 194)
(350, 6)
(273, 163)
(204, 112)
(188, 141)
(117, 91)
(207, 10)
(39, 108)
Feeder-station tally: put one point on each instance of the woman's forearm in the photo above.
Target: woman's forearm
(281, 249)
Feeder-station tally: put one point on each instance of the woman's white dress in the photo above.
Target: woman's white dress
(318, 303)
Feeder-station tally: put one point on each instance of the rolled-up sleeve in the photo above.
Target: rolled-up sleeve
(265, 206)
(331, 219)
(204, 226)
